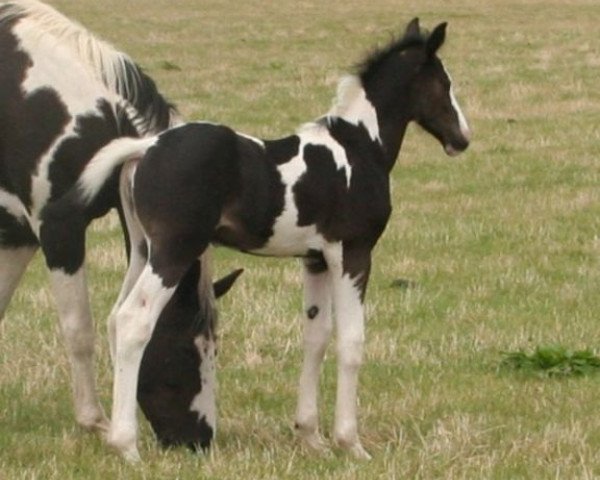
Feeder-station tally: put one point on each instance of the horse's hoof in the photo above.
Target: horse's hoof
(315, 443)
(94, 422)
(358, 452)
(124, 445)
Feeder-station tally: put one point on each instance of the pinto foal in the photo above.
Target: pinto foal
(321, 194)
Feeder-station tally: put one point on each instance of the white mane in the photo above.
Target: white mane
(107, 64)
(351, 104)
(349, 90)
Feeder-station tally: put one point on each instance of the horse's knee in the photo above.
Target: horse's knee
(133, 329)
(78, 339)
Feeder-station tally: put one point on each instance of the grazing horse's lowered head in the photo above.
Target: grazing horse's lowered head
(176, 386)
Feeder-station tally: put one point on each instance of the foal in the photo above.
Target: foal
(321, 194)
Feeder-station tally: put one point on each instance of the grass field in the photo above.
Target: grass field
(501, 247)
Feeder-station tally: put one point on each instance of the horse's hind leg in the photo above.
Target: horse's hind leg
(13, 262)
(17, 247)
(63, 243)
(138, 252)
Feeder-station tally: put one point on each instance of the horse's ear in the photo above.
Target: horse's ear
(413, 29)
(436, 39)
(222, 286)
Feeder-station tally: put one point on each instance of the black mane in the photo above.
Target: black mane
(155, 112)
(377, 57)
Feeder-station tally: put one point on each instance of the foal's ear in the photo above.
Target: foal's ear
(413, 29)
(436, 39)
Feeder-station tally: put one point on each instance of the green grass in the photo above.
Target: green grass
(552, 361)
(500, 247)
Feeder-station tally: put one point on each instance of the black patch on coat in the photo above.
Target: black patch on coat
(143, 249)
(92, 132)
(321, 191)
(14, 233)
(259, 193)
(315, 262)
(283, 150)
(62, 236)
(169, 374)
(181, 186)
(65, 218)
(28, 125)
(357, 143)
(312, 312)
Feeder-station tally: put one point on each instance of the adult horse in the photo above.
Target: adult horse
(321, 194)
(64, 94)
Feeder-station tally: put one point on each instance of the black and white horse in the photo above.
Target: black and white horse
(321, 194)
(63, 96)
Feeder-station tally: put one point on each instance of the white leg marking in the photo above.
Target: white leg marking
(136, 260)
(135, 322)
(349, 321)
(70, 293)
(318, 326)
(136, 265)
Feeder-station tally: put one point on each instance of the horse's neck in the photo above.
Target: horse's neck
(353, 106)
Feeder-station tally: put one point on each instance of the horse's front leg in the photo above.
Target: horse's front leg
(77, 328)
(317, 332)
(63, 243)
(349, 271)
(134, 323)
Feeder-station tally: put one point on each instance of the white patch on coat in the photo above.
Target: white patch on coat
(288, 238)
(109, 157)
(316, 134)
(40, 181)
(352, 105)
(204, 404)
(50, 60)
(45, 28)
(13, 205)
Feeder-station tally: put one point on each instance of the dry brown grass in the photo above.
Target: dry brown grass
(502, 245)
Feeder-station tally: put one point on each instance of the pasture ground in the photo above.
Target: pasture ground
(501, 247)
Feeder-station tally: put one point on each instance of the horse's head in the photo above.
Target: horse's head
(176, 382)
(435, 107)
(407, 81)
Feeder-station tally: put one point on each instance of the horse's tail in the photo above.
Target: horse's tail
(106, 161)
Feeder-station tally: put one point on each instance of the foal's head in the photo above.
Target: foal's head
(407, 81)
